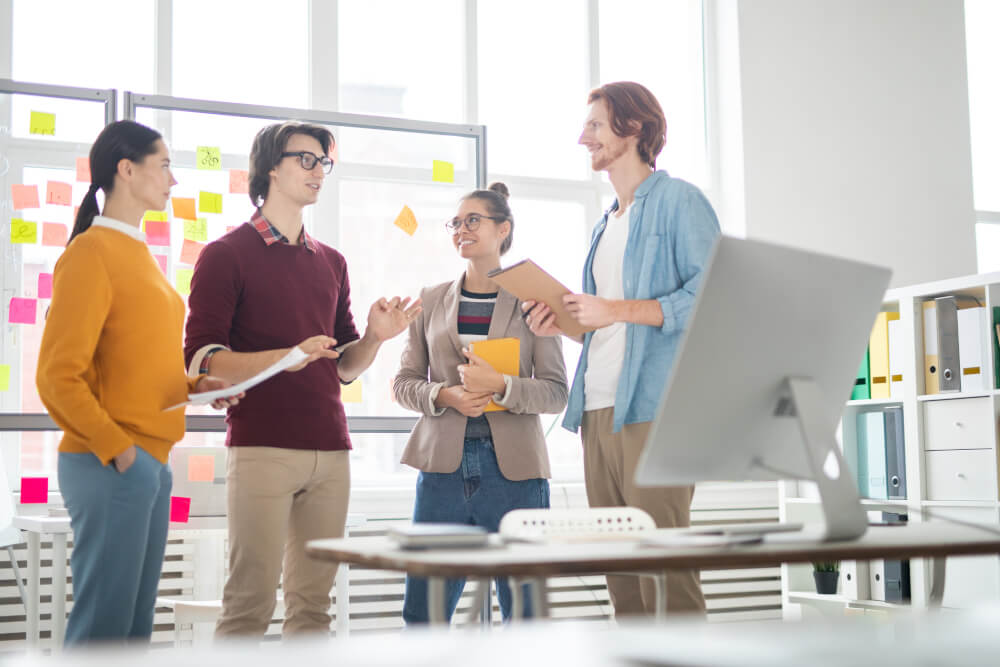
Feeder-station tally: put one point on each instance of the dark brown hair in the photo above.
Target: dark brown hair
(495, 197)
(634, 111)
(268, 146)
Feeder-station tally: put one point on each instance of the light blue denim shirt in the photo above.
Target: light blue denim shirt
(672, 229)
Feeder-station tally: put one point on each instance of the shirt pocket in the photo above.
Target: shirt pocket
(655, 269)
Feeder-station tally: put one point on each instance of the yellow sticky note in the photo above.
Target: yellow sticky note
(42, 123)
(196, 230)
(503, 354)
(201, 468)
(209, 202)
(23, 231)
(209, 157)
(351, 393)
(4, 377)
(406, 221)
(182, 280)
(443, 172)
(155, 216)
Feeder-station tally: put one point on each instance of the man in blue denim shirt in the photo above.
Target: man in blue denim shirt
(639, 281)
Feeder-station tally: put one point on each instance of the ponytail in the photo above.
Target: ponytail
(122, 140)
(86, 213)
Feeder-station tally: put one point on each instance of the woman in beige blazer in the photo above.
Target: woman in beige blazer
(476, 466)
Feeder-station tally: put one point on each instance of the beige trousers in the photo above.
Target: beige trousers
(278, 500)
(609, 463)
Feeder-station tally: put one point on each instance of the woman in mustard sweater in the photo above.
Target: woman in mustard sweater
(111, 360)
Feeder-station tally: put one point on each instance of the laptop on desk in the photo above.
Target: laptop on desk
(200, 474)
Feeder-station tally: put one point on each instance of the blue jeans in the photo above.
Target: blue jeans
(476, 494)
(119, 523)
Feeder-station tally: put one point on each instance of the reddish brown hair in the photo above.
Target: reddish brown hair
(634, 111)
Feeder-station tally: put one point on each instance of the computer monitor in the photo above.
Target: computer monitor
(762, 373)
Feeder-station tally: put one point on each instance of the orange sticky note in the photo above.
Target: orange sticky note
(184, 208)
(23, 231)
(209, 202)
(406, 221)
(443, 172)
(24, 196)
(59, 193)
(351, 393)
(201, 468)
(190, 251)
(162, 261)
(83, 170)
(182, 280)
(54, 233)
(239, 181)
(42, 123)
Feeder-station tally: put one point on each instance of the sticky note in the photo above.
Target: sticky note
(208, 157)
(209, 202)
(162, 261)
(201, 468)
(182, 281)
(155, 216)
(83, 170)
(54, 233)
(22, 311)
(351, 393)
(58, 193)
(34, 490)
(42, 123)
(406, 221)
(24, 196)
(180, 508)
(443, 172)
(239, 181)
(184, 208)
(190, 251)
(157, 233)
(23, 231)
(44, 285)
(230, 228)
(4, 377)
(196, 230)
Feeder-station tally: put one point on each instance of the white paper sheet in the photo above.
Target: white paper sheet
(294, 356)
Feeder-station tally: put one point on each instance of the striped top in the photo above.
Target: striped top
(475, 310)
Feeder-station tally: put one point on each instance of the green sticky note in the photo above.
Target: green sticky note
(4, 377)
(42, 123)
(155, 216)
(209, 202)
(183, 280)
(23, 231)
(209, 157)
(196, 230)
(443, 172)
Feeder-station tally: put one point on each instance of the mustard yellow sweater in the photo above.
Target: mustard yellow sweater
(111, 356)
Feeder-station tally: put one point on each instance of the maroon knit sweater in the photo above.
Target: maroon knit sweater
(250, 296)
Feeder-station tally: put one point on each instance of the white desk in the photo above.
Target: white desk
(58, 529)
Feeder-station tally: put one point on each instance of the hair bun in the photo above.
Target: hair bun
(500, 189)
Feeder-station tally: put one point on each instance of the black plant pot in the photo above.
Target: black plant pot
(826, 582)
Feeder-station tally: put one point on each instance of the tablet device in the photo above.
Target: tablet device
(438, 535)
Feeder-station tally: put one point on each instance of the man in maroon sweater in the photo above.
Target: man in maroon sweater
(257, 292)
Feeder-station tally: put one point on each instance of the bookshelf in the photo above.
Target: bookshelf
(951, 461)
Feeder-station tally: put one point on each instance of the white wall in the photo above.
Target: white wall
(856, 131)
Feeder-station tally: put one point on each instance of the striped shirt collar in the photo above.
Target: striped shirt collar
(119, 226)
(270, 233)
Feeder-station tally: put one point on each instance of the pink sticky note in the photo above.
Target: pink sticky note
(44, 285)
(179, 509)
(22, 311)
(190, 251)
(157, 233)
(201, 468)
(83, 170)
(54, 233)
(239, 181)
(59, 193)
(24, 196)
(34, 490)
(162, 261)
(230, 228)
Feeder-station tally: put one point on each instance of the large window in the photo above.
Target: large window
(521, 68)
(982, 20)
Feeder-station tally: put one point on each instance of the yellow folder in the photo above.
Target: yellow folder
(931, 384)
(878, 346)
(504, 355)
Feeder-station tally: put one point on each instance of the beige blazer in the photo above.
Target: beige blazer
(431, 358)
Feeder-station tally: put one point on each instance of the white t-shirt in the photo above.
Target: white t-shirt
(606, 355)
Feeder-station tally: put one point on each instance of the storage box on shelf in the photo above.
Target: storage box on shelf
(951, 462)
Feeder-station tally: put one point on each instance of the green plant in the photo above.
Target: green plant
(827, 566)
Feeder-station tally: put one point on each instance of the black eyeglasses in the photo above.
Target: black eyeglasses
(470, 221)
(308, 160)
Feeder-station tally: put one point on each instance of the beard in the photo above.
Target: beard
(605, 157)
